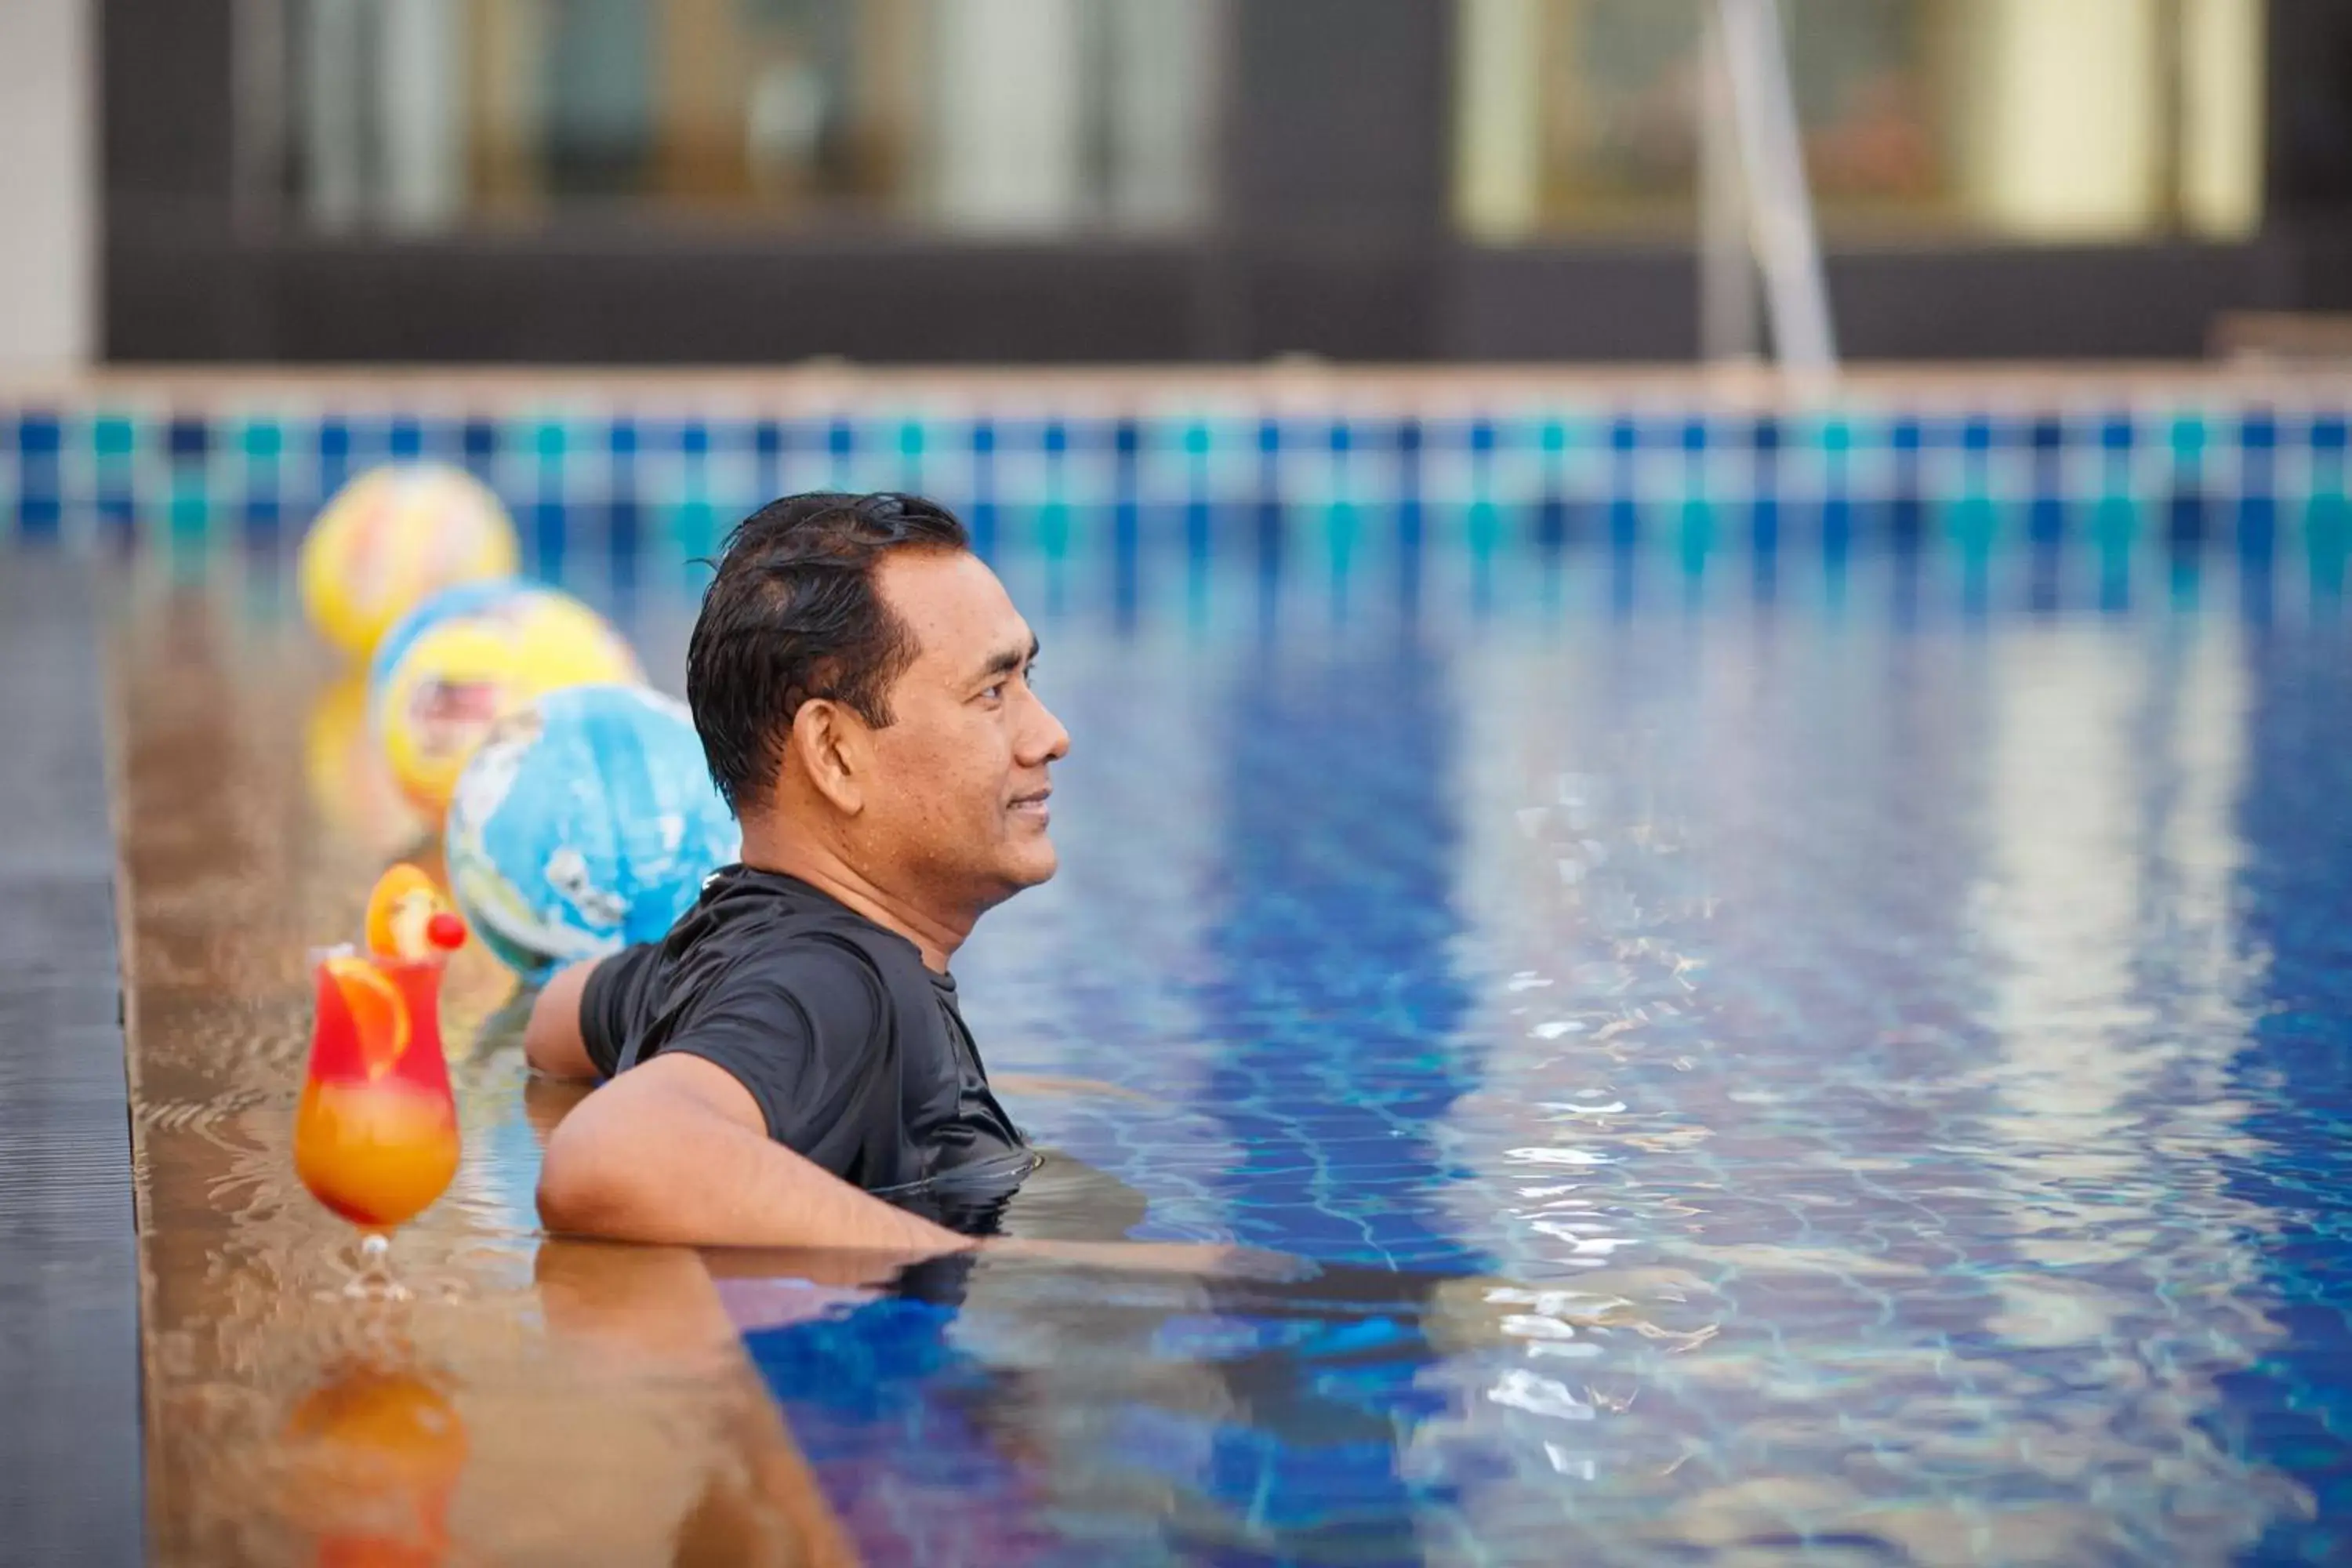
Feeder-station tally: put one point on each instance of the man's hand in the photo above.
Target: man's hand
(676, 1150)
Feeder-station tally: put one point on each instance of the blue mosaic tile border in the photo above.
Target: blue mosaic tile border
(88, 470)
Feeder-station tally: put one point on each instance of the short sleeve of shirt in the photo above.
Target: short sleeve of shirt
(802, 1029)
(617, 1003)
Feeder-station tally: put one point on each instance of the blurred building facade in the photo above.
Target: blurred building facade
(624, 181)
(48, 188)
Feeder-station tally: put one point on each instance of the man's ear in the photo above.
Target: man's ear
(829, 742)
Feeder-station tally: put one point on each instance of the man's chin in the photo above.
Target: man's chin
(1036, 863)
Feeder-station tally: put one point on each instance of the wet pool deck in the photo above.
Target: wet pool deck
(536, 1400)
(69, 1472)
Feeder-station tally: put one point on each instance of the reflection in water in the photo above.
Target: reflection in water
(373, 1457)
(1334, 998)
(649, 1328)
(2120, 988)
(349, 787)
(1885, 1060)
(992, 1409)
(2294, 1407)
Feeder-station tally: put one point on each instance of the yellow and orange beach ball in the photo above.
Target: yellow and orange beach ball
(461, 676)
(389, 537)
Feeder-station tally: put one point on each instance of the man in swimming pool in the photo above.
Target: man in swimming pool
(861, 683)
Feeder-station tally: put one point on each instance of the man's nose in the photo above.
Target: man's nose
(1047, 740)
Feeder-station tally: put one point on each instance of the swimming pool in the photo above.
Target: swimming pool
(1822, 1048)
(1817, 1064)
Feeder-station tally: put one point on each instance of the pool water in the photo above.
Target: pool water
(1746, 1057)
(1799, 1059)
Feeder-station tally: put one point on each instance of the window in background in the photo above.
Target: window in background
(2031, 120)
(987, 117)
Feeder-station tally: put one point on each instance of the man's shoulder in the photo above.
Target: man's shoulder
(818, 969)
(744, 908)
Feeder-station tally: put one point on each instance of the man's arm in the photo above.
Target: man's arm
(676, 1150)
(552, 1041)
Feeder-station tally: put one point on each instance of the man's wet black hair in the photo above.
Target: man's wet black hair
(794, 614)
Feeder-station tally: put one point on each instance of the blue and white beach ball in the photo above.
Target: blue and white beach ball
(586, 821)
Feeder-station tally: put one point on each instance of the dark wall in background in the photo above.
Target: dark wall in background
(2310, 183)
(1333, 237)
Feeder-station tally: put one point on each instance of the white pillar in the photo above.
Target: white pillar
(1498, 135)
(423, 134)
(2221, 165)
(335, 103)
(1007, 73)
(1160, 73)
(2060, 117)
(48, 185)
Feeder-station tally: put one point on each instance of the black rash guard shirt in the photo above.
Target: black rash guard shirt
(856, 1054)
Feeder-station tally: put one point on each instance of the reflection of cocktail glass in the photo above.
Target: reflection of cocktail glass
(375, 1135)
(377, 1454)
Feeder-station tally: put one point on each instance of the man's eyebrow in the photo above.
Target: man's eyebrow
(1011, 660)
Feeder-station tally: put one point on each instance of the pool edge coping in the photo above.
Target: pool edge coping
(72, 1455)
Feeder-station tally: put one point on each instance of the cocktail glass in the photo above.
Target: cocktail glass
(376, 1134)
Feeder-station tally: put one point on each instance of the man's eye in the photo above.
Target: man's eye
(995, 693)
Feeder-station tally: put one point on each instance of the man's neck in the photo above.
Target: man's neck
(937, 938)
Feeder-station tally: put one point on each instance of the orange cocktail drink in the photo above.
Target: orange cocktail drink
(375, 1135)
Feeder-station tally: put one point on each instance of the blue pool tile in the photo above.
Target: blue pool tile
(1893, 468)
(187, 438)
(38, 513)
(38, 435)
(263, 520)
(263, 441)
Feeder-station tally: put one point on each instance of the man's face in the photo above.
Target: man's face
(959, 797)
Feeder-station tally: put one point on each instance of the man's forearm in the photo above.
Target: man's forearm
(661, 1167)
